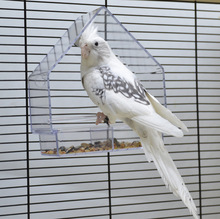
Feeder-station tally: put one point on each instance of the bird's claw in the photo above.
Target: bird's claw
(102, 118)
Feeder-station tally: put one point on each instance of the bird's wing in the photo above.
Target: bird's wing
(121, 98)
(158, 123)
(166, 113)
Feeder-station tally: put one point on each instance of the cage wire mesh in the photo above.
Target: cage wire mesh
(61, 112)
(78, 187)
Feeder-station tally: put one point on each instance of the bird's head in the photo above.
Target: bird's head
(94, 49)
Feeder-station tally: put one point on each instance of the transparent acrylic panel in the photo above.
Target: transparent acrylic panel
(39, 101)
(89, 140)
(60, 106)
(48, 143)
(125, 138)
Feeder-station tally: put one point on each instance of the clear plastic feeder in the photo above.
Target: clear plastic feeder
(62, 114)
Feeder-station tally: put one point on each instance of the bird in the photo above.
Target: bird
(119, 94)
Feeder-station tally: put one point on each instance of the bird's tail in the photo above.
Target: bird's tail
(154, 148)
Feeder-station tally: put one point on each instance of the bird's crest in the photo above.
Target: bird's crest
(89, 33)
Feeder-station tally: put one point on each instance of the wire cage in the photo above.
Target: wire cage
(68, 126)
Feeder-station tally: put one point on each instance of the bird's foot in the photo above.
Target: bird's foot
(102, 118)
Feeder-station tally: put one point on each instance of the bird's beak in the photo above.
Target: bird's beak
(85, 51)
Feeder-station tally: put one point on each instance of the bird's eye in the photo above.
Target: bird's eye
(96, 43)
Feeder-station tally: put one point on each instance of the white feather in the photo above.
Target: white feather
(166, 113)
(148, 121)
(167, 169)
(89, 33)
(154, 149)
(158, 123)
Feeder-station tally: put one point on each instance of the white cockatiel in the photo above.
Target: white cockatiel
(119, 94)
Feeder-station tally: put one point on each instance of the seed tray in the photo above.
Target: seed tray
(97, 146)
